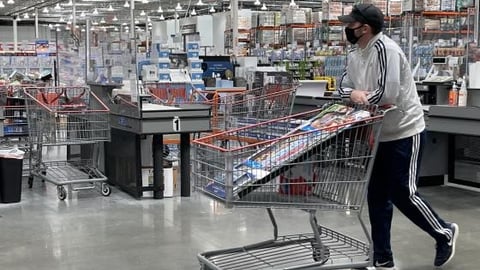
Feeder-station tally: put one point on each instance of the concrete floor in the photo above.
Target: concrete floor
(88, 231)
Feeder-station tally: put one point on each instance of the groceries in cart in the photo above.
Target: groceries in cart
(291, 146)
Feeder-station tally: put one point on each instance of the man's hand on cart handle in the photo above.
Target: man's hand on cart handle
(359, 97)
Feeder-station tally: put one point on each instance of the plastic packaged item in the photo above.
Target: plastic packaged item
(453, 95)
(462, 94)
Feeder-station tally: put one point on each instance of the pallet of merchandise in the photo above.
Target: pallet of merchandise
(447, 5)
(432, 5)
(395, 7)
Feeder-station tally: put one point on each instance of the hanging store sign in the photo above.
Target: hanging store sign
(42, 47)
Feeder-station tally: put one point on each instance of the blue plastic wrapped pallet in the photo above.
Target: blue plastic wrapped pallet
(164, 63)
(192, 54)
(164, 76)
(196, 74)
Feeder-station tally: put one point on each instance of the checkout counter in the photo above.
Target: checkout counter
(130, 123)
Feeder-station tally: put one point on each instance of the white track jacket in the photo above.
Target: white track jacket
(382, 69)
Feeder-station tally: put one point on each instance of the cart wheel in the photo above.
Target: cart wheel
(61, 193)
(106, 190)
(320, 253)
(30, 181)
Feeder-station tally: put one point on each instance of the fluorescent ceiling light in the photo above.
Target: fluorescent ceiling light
(124, 23)
(126, 4)
(110, 8)
(57, 7)
(150, 24)
(178, 7)
(137, 22)
(1, 4)
(94, 23)
(45, 10)
(25, 16)
(200, 3)
(11, 2)
(92, 28)
(292, 4)
(115, 29)
(143, 13)
(212, 9)
(58, 29)
(102, 21)
(61, 19)
(193, 13)
(160, 10)
(83, 29)
(264, 7)
(257, 3)
(161, 17)
(115, 18)
(82, 14)
(95, 12)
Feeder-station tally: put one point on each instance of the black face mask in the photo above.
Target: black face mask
(350, 33)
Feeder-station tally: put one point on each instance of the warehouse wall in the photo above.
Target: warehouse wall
(24, 33)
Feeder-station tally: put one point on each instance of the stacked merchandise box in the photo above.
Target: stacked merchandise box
(161, 56)
(331, 10)
(267, 36)
(447, 5)
(195, 65)
(461, 4)
(297, 16)
(395, 7)
(432, 5)
(266, 19)
(412, 5)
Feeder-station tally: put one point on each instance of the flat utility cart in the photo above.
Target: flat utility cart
(67, 116)
(323, 162)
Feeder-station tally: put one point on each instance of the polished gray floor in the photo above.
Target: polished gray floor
(88, 231)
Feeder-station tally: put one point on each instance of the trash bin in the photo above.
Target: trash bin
(11, 165)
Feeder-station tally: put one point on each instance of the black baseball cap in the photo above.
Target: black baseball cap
(367, 14)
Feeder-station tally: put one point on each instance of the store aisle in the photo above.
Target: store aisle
(118, 232)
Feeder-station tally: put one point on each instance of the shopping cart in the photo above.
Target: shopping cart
(233, 108)
(169, 93)
(323, 164)
(67, 116)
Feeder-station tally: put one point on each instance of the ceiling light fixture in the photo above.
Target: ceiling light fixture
(69, 22)
(58, 29)
(95, 11)
(149, 24)
(110, 8)
(61, 19)
(25, 16)
(193, 13)
(200, 3)
(143, 13)
(144, 1)
(115, 18)
(212, 9)
(292, 3)
(57, 7)
(229, 6)
(162, 18)
(50, 26)
(137, 22)
(178, 7)
(102, 21)
(94, 23)
(257, 3)
(160, 10)
(45, 10)
(126, 4)
(115, 29)
(177, 16)
(67, 27)
(11, 2)
(70, 3)
(82, 14)
(264, 7)
(1, 4)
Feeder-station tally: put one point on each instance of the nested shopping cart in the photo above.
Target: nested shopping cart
(67, 116)
(324, 163)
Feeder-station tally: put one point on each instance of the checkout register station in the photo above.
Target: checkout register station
(131, 122)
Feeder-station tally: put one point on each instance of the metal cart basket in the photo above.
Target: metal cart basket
(321, 162)
(67, 116)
